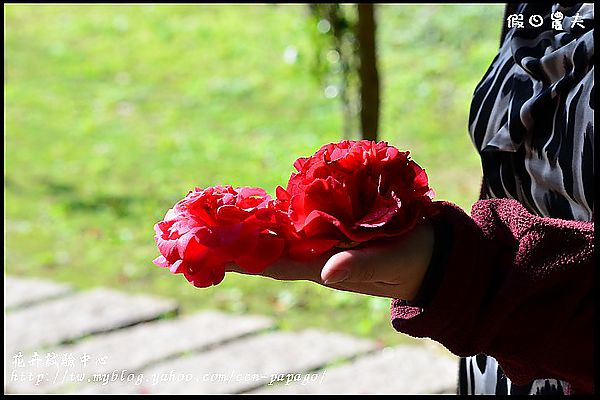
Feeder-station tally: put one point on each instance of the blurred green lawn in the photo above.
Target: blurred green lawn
(114, 112)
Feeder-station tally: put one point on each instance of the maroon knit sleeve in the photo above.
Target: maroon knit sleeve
(514, 286)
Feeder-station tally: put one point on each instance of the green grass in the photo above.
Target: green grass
(114, 112)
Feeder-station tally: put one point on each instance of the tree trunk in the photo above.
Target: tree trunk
(369, 77)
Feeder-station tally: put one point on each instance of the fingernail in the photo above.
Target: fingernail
(337, 276)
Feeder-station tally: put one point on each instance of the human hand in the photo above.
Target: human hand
(393, 267)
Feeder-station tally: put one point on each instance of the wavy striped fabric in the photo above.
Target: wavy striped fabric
(532, 121)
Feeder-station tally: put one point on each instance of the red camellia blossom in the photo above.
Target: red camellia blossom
(352, 192)
(212, 227)
(347, 193)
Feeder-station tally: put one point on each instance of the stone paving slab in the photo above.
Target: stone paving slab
(405, 369)
(72, 317)
(242, 365)
(127, 351)
(132, 349)
(20, 292)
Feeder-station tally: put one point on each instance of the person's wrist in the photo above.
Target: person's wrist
(420, 244)
(442, 245)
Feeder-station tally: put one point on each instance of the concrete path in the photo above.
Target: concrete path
(59, 340)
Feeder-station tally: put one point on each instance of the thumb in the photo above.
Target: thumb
(357, 265)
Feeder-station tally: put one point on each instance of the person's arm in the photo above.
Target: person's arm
(504, 282)
(513, 286)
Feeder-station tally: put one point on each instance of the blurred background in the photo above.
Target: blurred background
(114, 112)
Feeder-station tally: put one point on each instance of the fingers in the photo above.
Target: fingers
(289, 270)
(392, 268)
(380, 289)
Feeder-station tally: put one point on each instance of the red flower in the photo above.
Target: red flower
(345, 194)
(212, 227)
(351, 192)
